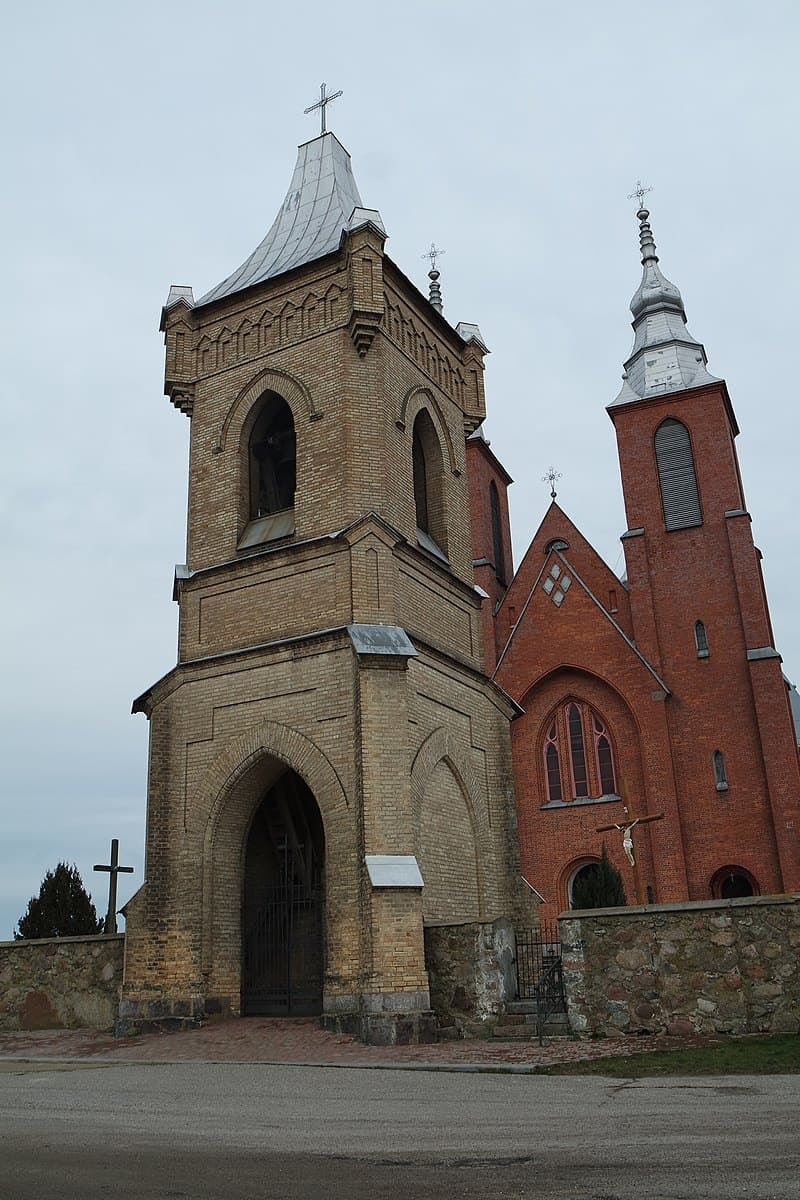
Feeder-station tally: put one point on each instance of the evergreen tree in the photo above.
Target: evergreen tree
(62, 908)
(600, 888)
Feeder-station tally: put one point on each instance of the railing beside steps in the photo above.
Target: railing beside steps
(539, 973)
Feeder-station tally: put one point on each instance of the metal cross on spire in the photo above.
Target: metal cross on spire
(433, 254)
(322, 104)
(552, 477)
(639, 193)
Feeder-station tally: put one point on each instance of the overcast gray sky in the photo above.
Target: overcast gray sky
(147, 144)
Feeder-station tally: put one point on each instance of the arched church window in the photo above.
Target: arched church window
(497, 538)
(428, 477)
(605, 760)
(420, 481)
(272, 459)
(553, 766)
(680, 498)
(720, 772)
(578, 755)
(701, 639)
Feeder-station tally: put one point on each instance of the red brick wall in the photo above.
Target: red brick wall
(663, 741)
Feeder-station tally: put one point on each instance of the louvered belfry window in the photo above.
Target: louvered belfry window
(676, 476)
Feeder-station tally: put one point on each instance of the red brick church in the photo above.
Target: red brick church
(656, 695)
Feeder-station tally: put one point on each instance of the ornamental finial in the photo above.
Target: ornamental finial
(552, 477)
(322, 104)
(435, 294)
(646, 240)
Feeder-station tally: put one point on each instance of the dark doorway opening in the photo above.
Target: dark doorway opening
(284, 904)
(733, 883)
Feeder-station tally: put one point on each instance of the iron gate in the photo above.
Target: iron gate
(539, 973)
(283, 952)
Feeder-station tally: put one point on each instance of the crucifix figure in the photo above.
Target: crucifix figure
(322, 104)
(626, 829)
(552, 477)
(639, 193)
(113, 868)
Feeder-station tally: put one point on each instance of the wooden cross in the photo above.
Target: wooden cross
(322, 104)
(113, 868)
(625, 828)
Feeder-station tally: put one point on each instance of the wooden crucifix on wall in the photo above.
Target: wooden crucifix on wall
(626, 829)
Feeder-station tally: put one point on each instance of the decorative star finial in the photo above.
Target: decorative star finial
(639, 193)
(552, 477)
(433, 254)
(322, 104)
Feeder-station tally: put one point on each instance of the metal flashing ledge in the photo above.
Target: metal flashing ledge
(762, 652)
(632, 533)
(393, 871)
(381, 639)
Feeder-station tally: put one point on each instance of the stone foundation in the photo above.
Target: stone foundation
(383, 1018)
(60, 983)
(707, 967)
(471, 972)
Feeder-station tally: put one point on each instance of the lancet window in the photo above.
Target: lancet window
(272, 459)
(497, 536)
(677, 479)
(428, 477)
(578, 757)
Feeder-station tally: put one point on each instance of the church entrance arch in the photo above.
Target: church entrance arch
(283, 910)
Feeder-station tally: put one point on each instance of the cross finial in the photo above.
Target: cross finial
(639, 193)
(322, 104)
(433, 254)
(552, 477)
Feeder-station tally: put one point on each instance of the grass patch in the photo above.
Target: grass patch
(778, 1055)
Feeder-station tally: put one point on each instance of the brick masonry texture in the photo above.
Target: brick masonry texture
(730, 967)
(627, 651)
(403, 755)
(60, 983)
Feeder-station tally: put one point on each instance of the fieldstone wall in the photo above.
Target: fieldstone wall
(471, 972)
(60, 983)
(726, 966)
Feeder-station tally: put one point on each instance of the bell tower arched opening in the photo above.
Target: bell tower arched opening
(283, 910)
(272, 454)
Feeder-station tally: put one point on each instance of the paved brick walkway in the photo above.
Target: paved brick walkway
(276, 1040)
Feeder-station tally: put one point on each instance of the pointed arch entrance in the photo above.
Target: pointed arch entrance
(283, 909)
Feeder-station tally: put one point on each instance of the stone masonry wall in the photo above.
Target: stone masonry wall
(707, 967)
(60, 983)
(471, 971)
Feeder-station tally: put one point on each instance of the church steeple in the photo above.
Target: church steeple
(665, 357)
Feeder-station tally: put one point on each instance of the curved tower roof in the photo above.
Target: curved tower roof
(319, 205)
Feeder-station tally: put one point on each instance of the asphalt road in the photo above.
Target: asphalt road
(201, 1130)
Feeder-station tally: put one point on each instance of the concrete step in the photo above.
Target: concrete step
(524, 1007)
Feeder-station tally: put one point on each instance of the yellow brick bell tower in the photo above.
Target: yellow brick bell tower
(329, 766)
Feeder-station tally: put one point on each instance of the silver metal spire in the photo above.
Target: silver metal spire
(435, 291)
(665, 356)
(321, 203)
